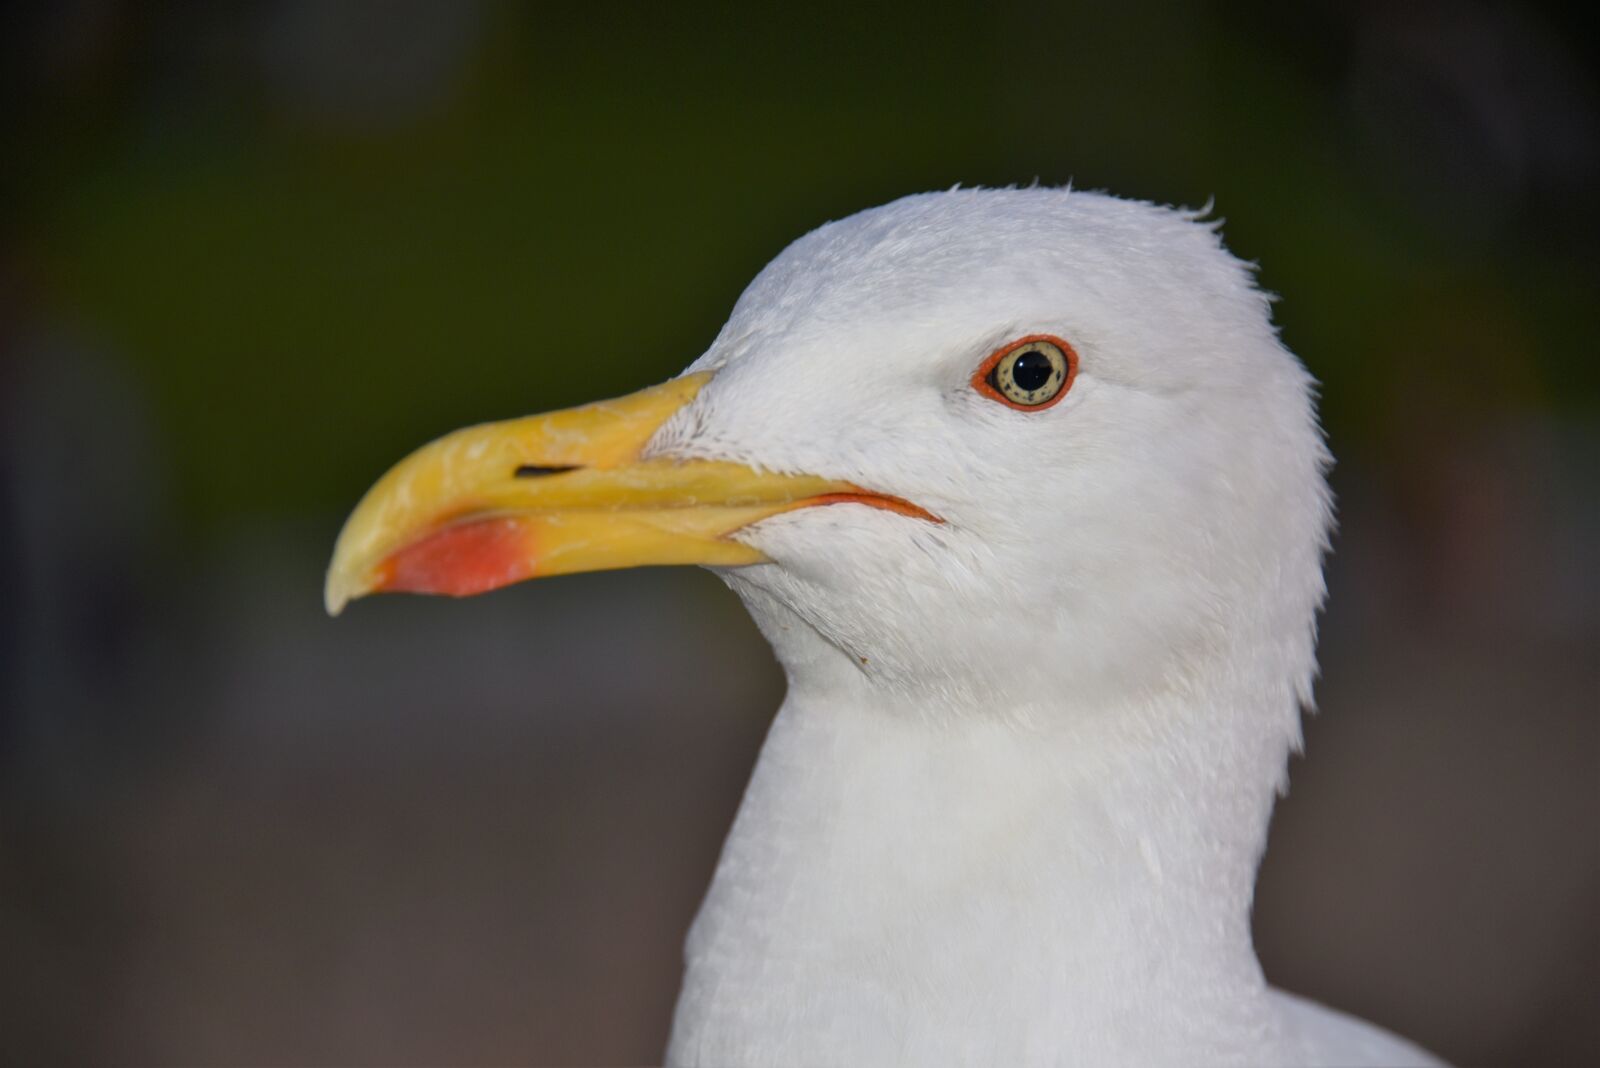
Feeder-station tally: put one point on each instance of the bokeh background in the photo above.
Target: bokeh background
(253, 251)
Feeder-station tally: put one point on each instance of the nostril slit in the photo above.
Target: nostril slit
(539, 470)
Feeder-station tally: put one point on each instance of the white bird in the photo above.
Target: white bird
(1046, 647)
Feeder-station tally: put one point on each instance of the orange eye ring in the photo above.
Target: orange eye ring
(995, 377)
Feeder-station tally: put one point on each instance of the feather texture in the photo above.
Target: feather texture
(1012, 807)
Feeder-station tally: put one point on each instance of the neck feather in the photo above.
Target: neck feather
(899, 886)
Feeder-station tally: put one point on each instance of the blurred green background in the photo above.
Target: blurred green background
(252, 252)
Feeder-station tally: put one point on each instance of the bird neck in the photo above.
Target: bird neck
(893, 876)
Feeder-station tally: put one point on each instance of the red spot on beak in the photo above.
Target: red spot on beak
(461, 560)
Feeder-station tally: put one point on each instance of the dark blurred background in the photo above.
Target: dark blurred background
(252, 252)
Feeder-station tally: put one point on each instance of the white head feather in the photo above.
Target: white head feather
(1168, 516)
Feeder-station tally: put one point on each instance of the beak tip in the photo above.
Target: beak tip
(335, 595)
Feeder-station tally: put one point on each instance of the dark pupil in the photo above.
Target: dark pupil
(1031, 371)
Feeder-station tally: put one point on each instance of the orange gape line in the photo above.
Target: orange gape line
(874, 500)
(461, 560)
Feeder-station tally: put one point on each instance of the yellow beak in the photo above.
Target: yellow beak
(552, 494)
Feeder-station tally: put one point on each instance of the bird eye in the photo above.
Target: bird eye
(1028, 374)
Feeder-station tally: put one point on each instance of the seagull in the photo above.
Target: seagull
(1028, 497)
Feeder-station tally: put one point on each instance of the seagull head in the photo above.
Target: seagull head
(981, 452)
